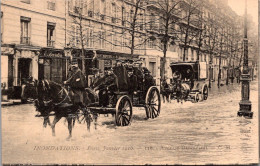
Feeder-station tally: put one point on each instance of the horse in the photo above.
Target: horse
(165, 91)
(52, 97)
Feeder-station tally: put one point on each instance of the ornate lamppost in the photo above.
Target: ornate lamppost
(245, 104)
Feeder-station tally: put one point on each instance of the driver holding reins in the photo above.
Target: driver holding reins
(77, 82)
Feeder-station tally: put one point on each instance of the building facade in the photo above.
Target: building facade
(33, 38)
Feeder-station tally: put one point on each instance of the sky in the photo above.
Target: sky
(239, 7)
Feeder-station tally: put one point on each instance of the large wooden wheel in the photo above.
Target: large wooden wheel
(124, 111)
(205, 92)
(153, 103)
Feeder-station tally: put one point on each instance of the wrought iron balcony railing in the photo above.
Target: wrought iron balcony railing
(50, 43)
(25, 40)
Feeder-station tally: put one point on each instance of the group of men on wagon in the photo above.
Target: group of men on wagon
(125, 76)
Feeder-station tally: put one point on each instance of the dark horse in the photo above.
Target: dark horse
(53, 97)
(165, 91)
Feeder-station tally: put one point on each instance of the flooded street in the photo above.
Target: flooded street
(189, 133)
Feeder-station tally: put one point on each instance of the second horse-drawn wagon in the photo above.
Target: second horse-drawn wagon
(189, 81)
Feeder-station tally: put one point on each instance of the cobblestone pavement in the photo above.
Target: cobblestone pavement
(189, 133)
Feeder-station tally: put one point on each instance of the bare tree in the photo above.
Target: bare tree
(77, 30)
(189, 24)
(168, 14)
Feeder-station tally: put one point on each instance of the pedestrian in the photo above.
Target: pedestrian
(77, 82)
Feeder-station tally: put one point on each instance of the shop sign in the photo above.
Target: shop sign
(102, 56)
(152, 59)
(7, 50)
(54, 55)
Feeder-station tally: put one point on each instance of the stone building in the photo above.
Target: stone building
(33, 38)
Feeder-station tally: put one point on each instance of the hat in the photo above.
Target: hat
(146, 71)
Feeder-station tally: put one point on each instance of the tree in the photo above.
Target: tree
(190, 24)
(167, 12)
(77, 30)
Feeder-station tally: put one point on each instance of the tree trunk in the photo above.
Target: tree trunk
(219, 72)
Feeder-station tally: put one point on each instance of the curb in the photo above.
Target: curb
(10, 103)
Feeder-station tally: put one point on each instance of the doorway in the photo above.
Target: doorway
(24, 70)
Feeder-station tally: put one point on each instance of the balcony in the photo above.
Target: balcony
(25, 40)
(90, 13)
(102, 17)
(50, 43)
(113, 19)
(26, 1)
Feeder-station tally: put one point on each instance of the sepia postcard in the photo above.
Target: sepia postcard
(129, 82)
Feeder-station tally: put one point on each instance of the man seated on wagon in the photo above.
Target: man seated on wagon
(190, 77)
(107, 87)
(139, 73)
(148, 79)
(121, 72)
(77, 81)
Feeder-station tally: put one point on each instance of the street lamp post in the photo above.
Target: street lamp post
(245, 104)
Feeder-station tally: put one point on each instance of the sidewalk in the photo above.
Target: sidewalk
(11, 102)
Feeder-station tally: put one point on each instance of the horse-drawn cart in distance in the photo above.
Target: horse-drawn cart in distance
(189, 82)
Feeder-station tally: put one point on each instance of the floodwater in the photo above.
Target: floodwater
(208, 132)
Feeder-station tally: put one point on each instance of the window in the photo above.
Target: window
(123, 16)
(102, 38)
(50, 34)
(77, 34)
(78, 6)
(91, 38)
(113, 13)
(142, 21)
(103, 10)
(25, 30)
(2, 27)
(91, 8)
(152, 19)
(51, 5)
(26, 1)
(131, 15)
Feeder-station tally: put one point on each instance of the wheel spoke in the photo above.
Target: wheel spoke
(127, 120)
(155, 110)
(126, 105)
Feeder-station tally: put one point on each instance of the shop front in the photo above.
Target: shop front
(52, 65)
(7, 54)
(107, 59)
(23, 64)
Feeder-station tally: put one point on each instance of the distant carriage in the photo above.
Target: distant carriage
(191, 85)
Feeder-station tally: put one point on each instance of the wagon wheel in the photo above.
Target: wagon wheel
(205, 93)
(124, 111)
(153, 103)
(196, 98)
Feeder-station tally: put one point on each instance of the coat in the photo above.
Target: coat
(121, 73)
(76, 79)
(77, 82)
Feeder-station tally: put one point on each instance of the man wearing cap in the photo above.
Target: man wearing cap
(77, 82)
(148, 79)
(107, 87)
(139, 73)
(120, 72)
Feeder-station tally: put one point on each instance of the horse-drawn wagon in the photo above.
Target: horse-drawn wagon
(53, 99)
(135, 93)
(189, 81)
